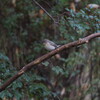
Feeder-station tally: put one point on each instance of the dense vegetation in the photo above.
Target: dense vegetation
(23, 25)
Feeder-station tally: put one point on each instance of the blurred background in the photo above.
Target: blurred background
(23, 25)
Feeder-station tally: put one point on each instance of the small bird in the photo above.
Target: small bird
(49, 45)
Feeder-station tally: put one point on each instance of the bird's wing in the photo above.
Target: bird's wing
(53, 44)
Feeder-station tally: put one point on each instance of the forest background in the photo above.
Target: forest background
(23, 25)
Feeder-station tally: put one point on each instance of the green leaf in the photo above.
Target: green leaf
(58, 70)
(39, 89)
(45, 63)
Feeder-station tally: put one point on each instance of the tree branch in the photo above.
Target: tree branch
(44, 10)
(46, 56)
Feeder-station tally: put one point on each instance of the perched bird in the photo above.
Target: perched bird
(49, 45)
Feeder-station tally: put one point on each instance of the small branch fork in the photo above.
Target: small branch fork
(47, 56)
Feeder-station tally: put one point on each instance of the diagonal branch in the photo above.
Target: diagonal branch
(46, 56)
(44, 10)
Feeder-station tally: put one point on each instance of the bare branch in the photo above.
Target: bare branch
(46, 56)
(44, 10)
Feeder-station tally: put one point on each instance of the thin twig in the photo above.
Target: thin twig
(44, 10)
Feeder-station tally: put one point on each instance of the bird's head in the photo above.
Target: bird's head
(45, 41)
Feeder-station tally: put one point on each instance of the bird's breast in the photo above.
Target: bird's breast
(49, 47)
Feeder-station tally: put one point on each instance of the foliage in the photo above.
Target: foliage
(24, 25)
